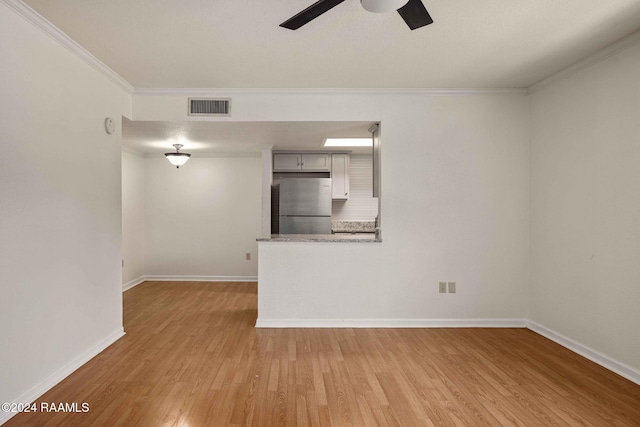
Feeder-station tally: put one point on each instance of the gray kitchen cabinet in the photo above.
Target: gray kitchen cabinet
(301, 162)
(316, 162)
(286, 162)
(340, 176)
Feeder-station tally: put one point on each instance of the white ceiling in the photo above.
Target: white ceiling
(156, 138)
(238, 44)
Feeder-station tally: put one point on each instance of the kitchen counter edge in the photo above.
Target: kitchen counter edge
(363, 238)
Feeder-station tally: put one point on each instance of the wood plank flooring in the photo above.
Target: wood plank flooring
(192, 357)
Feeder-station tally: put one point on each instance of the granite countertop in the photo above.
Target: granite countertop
(353, 226)
(339, 237)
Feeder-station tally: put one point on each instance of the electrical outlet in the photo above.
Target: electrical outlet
(452, 287)
(443, 287)
(247, 256)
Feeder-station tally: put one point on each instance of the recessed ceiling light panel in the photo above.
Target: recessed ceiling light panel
(348, 142)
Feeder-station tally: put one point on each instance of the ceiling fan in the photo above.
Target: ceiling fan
(412, 11)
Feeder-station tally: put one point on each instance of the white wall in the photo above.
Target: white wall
(202, 218)
(585, 198)
(465, 219)
(455, 203)
(133, 228)
(60, 244)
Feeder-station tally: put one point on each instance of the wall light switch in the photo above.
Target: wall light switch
(443, 287)
(452, 287)
(247, 256)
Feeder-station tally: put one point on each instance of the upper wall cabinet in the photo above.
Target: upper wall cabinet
(340, 176)
(316, 162)
(286, 162)
(296, 162)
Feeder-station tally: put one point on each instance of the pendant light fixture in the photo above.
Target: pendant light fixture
(178, 159)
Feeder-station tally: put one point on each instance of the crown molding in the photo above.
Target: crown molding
(325, 91)
(38, 21)
(609, 51)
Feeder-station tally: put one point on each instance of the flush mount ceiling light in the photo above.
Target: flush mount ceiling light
(348, 142)
(177, 159)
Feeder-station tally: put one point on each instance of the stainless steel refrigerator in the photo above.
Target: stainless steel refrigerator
(305, 206)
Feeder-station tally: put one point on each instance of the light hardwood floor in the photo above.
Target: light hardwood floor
(192, 357)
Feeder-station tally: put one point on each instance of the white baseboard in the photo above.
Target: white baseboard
(391, 323)
(133, 283)
(202, 278)
(49, 382)
(603, 360)
(141, 279)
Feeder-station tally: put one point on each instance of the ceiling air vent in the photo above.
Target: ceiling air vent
(210, 107)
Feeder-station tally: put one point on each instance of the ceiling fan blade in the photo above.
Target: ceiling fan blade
(415, 14)
(310, 13)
